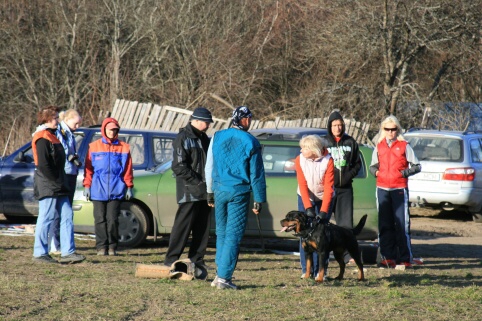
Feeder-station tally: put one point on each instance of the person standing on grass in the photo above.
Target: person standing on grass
(393, 161)
(189, 148)
(52, 190)
(345, 153)
(234, 169)
(108, 179)
(70, 120)
(315, 175)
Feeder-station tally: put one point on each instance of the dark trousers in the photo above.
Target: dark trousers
(190, 217)
(106, 218)
(343, 207)
(394, 225)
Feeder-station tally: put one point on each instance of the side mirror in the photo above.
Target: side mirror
(20, 158)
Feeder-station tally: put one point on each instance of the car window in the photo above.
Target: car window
(279, 159)
(362, 173)
(476, 150)
(441, 149)
(136, 143)
(162, 148)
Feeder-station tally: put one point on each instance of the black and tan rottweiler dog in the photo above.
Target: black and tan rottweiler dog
(324, 237)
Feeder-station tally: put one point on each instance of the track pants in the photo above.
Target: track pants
(231, 211)
(394, 224)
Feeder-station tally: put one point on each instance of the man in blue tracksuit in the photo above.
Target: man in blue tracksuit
(234, 169)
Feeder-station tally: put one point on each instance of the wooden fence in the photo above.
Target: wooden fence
(133, 114)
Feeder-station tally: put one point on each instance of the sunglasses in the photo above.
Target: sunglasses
(390, 129)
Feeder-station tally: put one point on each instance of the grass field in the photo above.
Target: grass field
(105, 288)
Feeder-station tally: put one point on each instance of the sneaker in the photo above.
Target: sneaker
(72, 258)
(112, 252)
(408, 265)
(215, 281)
(390, 264)
(44, 259)
(225, 284)
(101, 252)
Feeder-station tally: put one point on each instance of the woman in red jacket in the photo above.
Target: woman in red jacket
(108, 179)
(393, 161)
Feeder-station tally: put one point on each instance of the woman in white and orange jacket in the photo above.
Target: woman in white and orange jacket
(315, 173)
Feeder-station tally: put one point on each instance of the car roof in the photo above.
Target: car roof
(96, 128)
(434, 132)
(287, 133)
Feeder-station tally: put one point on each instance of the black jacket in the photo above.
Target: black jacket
(345, 155)
(49, 177)
(189, 158)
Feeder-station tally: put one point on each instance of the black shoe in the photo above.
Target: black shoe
(203, 265)
(72, 258)
(44, 259)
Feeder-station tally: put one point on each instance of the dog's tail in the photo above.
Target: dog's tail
(357, 230)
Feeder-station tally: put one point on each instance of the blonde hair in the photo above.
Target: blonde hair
(314, 143)
(390, 120)
(68, 114)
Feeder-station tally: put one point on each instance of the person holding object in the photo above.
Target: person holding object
(315, 174)
(345, 153)
(393, 161)
(234, 169)
(189, 159)
(108, 179)
(70, 120)
(52, 190)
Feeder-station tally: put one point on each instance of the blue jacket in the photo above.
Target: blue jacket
(67, 139)
(235, 164)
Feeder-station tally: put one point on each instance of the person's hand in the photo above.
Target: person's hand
(129, 194)
(310, 212)
(210, 199)
(321, 217)
(257, 207)
(87, 193)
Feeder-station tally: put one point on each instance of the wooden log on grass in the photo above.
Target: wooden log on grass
(153, 271)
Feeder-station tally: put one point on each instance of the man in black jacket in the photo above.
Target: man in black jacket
(189, 158)
(344, 150)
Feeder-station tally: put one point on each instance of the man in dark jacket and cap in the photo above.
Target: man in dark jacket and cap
(189, 158)
(344, 150)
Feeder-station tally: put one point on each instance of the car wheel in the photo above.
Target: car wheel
(477, 217)
(133, 225)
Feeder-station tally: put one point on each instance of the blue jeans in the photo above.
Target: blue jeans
(316, 264)
(49, 207)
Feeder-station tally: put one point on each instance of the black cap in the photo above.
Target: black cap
(202, 114)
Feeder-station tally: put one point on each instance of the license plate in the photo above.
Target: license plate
(427, 176)
(268, 165)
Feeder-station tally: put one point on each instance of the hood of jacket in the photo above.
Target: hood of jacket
(334, 116)
(102, 130)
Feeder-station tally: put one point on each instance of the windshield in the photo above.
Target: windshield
(441, 149)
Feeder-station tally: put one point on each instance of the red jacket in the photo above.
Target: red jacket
(392, 160)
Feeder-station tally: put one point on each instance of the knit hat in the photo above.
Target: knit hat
(202, 114)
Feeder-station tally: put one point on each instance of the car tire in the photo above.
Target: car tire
(133, 225)
(477, 217)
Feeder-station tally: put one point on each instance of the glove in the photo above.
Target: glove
(129, 193)
(310, 212)
(321, 217)
(210, 199)
(87, 193)
(257, 206)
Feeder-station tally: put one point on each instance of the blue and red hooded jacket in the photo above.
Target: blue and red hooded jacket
(108, 167)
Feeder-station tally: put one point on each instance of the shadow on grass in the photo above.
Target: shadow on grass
(427, 279)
